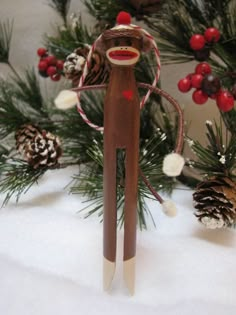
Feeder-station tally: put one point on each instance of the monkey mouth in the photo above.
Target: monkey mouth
(122, 54)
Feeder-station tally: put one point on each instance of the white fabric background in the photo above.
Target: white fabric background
(51, 260)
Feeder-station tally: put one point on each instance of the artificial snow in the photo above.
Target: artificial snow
(51, 259)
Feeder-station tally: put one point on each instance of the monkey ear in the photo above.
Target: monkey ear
(146, 44)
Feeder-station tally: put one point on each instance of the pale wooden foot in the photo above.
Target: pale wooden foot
(108, 273)
(129, 274)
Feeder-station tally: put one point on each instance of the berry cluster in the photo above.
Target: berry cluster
(201, 44)
(207, 85)
(49, 65)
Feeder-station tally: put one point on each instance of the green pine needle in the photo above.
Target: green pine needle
(27, 90)
(6, 29)
(61, 6)
(89, 182)
(69, 37)
(218, 158)
(11, 117)
(17, 177)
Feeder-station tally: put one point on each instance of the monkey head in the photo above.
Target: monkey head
(123, 43)
(123, 47)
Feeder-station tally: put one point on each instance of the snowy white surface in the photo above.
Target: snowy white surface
(51, 260)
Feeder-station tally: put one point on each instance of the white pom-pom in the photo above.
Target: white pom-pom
(169, 208)
(173, 164)
(66, 99)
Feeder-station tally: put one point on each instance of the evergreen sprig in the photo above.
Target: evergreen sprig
(11, 117)
(104, 11)
(4, 152)
(69, 37)
(62, 7)
(17, 177)
(21, 102)
(6, 29)
(90, 181)
(27, 90)
(218, 158)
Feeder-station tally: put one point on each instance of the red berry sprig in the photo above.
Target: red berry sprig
(201, 44)
(49, 65)
(207, 85)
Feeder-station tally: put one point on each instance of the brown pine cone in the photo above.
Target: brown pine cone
(98, 71)
(43, 150)
(39, 147)
(215, 201)
(74, 64)
(24, 135)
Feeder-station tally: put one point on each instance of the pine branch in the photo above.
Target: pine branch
(21, 102)
(6, 29)
(103, 10)
(17, 177)
(218, 157)
(4, 153)
(11, 116)
(90, 181)
(62, 7)
(27, 90)
(179, 20)
(74, 35)
(76, 135)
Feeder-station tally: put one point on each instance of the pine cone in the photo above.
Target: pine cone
(74, 64)
(39, 147)
(215, 201)
(24, 135)
(98, 71)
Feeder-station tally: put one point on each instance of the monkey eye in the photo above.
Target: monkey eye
(128, 41)
(117, 42)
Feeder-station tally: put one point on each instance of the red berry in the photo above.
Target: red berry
(42, 65)
(55, 77)
(60, 64)
(123, 18)
(41, 52)
(225, 101)
(197, 42)
(184, 85)
(203, 68)
(212, 35)
(51, 70)
(199, 97)
(196, 80)
(189, 76)
(51, 60)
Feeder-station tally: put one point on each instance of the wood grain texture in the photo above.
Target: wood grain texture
(121, 130)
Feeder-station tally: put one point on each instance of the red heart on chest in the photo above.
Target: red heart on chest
(128, 94)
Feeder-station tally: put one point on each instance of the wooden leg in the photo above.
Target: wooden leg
(131, 183)
(109, 217)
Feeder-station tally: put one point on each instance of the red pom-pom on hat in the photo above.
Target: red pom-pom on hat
(123, 18)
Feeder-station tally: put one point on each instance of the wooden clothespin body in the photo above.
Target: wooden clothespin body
(121, 131)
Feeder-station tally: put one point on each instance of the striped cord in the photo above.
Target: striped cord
(86, 69)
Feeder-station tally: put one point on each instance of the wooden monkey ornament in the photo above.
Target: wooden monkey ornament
(123, 45)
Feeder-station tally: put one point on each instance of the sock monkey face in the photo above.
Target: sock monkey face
(122, 46)
(123, 51)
